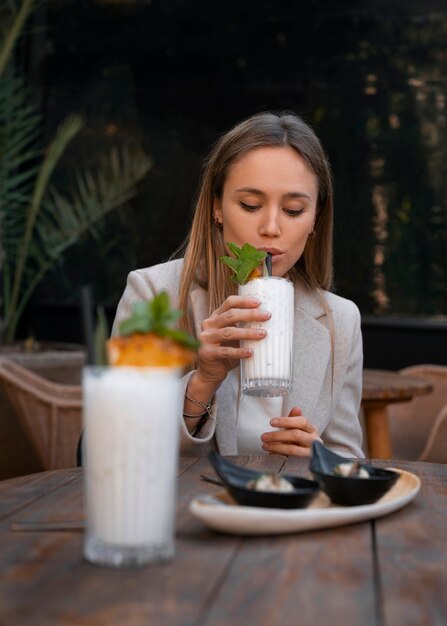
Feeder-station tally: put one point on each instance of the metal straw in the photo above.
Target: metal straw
(88, 322)
(268, 263)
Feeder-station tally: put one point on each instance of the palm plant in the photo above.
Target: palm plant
(37, 222)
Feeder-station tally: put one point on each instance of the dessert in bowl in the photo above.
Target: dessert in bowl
(347, 482)
(252, 488)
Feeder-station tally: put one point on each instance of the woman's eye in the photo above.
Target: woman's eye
(249, 207)
(293, 212)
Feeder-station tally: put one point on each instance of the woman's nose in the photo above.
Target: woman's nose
(270, 226)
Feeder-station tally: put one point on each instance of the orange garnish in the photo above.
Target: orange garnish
(245, 262)
(256, 273)
(147, 350)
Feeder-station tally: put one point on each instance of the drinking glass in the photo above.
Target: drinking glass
(131, 456)
(268, 372)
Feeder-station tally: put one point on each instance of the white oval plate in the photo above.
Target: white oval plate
(220, 512)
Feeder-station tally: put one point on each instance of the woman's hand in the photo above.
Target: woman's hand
(295, 437)
(220, 351)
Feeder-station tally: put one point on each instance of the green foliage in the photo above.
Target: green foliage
(156, 316)
(18, 20)
(247, 259)
(100, 338)
(37, 222)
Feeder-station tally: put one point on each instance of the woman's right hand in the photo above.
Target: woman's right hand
(220, 351)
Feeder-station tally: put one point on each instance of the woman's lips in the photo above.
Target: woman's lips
(272, 251)
(277, 255)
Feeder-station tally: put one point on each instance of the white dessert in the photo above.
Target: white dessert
(273, 483)
(131, 437)
(269, 371)
(350, 470)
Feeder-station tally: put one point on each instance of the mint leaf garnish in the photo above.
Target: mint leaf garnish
(246, 260)
(184, 338)
(156, 316)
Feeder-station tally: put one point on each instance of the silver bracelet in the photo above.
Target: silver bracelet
(207, 416)
(206, 407)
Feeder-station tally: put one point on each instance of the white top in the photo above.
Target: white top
(253, 415)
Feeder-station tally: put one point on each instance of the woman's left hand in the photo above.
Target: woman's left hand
(295, 437)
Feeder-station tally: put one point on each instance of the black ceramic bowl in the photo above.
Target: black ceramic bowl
(235, 479)
(349, 491)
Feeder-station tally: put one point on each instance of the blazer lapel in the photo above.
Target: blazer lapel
(312, 352)
(199, 307)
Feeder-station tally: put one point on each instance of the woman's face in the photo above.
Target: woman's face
(269, 200)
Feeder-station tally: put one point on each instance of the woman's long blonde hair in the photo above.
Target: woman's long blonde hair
(205, 244)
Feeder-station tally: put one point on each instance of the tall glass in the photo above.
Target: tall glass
(268, 372)
(131, 457)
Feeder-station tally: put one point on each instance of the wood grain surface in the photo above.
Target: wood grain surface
(392, 386)
(390, 572)
(412, 552)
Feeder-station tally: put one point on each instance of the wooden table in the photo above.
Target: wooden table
(381, 388)
(389, 572)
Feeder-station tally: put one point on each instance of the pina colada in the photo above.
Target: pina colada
(268, 372)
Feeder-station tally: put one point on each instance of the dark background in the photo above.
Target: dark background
(370, 77)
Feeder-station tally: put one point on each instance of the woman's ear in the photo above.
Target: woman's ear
(217, 212)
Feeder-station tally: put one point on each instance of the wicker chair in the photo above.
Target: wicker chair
(50, 412)
(419, 427)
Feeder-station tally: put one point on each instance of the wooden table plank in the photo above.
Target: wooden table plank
(97, 595)
(412, 553)
(185, 463)
(273, 581)
(17, 493)
(306, 578)
(385, 385)
(172, 593)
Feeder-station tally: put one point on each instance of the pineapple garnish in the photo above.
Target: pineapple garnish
(246, 264)
(256, 273)
(148, 338)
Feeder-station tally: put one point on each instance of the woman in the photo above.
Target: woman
(266, 182)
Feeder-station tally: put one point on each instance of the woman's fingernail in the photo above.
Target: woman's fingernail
(261, 333)
(274, 421)
(255, 301)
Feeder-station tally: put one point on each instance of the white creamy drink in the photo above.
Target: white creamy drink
(268, 372)
(131, 448)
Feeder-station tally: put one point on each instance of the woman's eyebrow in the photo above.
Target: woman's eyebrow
(297, 194)
(290, 194)
(257, 192)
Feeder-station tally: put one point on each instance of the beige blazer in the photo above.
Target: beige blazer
(328, 393)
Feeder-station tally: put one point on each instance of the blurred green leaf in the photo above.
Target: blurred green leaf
(156, 316)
